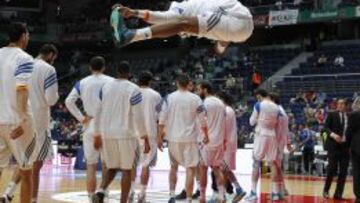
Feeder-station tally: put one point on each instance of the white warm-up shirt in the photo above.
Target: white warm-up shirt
(197, 7)
(87, 90)
(231, 138)
(282, 130)
(16, 67)
(182, 112)
(120, 114)
(152, 106)
(265, 116)
(43, 93)
(215, 114)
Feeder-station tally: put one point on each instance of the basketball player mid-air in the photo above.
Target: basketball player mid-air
(224, 21)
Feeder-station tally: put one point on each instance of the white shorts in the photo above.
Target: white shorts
(120, 153)
(265, 148)
(91, 155)
(44, 150)
(229, 162)
(223, 27)
(185, 154)
(212, 156)
(149, 159)
(21, 148)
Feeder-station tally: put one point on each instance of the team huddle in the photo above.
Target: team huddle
(127, 123)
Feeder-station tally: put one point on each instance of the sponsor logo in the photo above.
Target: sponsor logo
(285, 17)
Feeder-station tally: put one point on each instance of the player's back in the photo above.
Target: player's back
(215, 111)
(230, 129)
(15, 69)
(89, 89)
(182, 108)
(152, 107)
(198, 7)
(43, 77)
(268, 118)
(117, 97)
(282, 130)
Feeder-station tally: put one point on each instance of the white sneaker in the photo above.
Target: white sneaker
(251, 197)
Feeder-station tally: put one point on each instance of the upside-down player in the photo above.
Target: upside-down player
(225, 21)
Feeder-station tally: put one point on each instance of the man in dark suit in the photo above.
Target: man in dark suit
(337, 149)
(353, 138)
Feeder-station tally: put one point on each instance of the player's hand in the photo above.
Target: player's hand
(86, 120)
(220, 47)
(19, 130)
(97, 142)
(337, 138)
(160, 144)
(146, 146)
(206, 139)
(127, 12)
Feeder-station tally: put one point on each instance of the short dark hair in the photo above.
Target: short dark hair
(145, 78)
(48, 49)
(16, 30)
(275, 97)
(97, 63)
(183, 80)
(225, 97)
(206, 85)
(261, 92)
(123, 68)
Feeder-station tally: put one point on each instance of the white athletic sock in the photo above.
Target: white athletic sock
(254, 186)
(143, 189)
(172, 193)
(197, 184)
(221, 192)
(142, 34)
(275, 187)
(10, 189)
(132, 189)
(90, 195)
(188, 200)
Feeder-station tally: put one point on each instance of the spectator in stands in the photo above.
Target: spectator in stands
(339, 61)
(310, 96)
(320, 116)
(338, 149)
(322, 60)
(320, 97)
(230, 82)
(353, 137)
(256, 79)
(307, 140)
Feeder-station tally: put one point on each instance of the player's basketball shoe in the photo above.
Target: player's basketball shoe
(122, 35)
(239, 194)
(252, 197)
(5, 199)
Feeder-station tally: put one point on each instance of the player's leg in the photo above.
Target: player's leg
(26, 185)
(108, 176)
(173, 180)
(189, 183)
(36, 179)
(91, 180)
(219, 176)
(11, 186)
(125, 185)
(124, 36)
(23, 149)
(276, 177)
(203, 170)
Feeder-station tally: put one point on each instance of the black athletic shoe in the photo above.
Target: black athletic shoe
(196, 195)
(5, 199)
(99, 197)
(181, 196)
